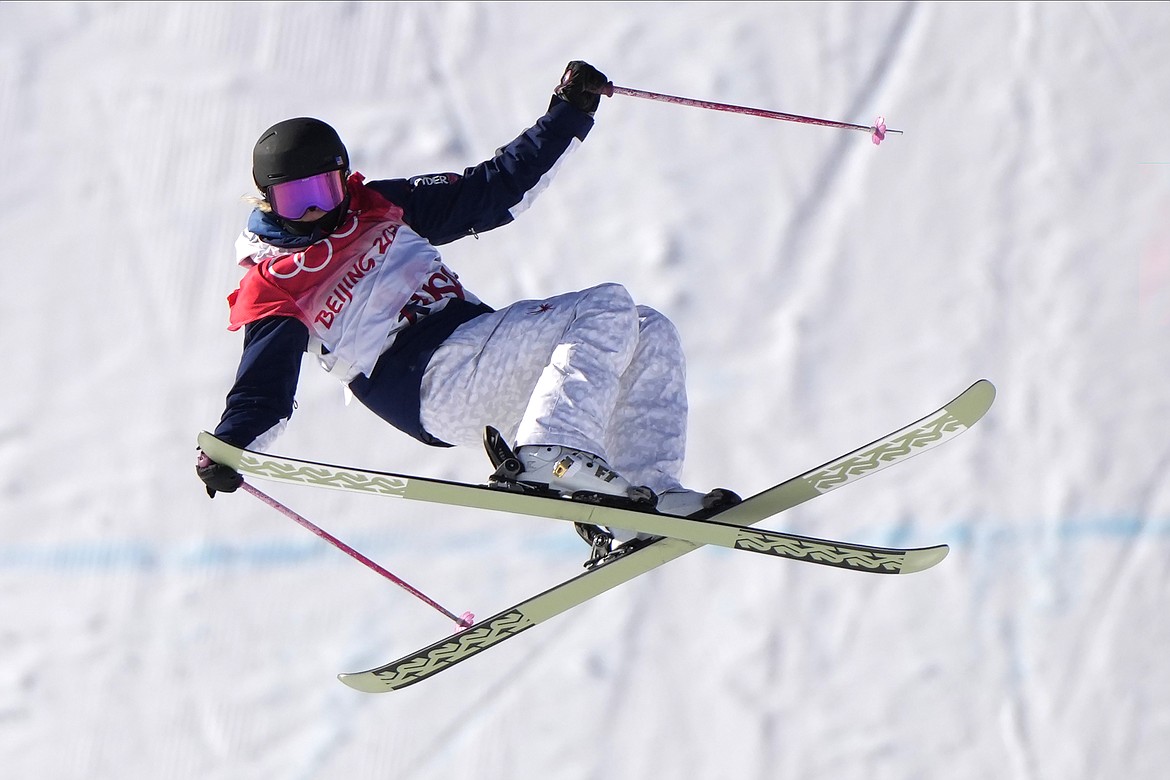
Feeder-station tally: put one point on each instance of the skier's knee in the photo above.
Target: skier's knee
(614, 303)
(615, 295)
(654, 324)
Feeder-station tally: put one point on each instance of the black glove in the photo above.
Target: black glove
(581, 86)
(217, 477)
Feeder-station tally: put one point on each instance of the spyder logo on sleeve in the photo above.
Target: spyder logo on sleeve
(434, 178)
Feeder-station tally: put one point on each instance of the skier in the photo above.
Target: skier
(588, 385)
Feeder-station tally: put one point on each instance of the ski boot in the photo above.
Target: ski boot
(563, 472)
(695, 505)
(604, 547)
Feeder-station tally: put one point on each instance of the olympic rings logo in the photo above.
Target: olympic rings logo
(301, 261)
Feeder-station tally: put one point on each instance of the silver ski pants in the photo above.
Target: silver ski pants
(590, 370)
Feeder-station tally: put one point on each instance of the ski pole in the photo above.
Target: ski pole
(464, 621)
(878, 130)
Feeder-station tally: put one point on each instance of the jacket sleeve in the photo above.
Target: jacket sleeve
(446, 206)
(266, 382)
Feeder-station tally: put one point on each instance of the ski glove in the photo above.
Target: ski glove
(217, 477)
(581, 86)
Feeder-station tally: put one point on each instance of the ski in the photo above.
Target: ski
(715, 530)
(926, 433)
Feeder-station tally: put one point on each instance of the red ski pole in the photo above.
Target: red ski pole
(464, 621)
(878, 130)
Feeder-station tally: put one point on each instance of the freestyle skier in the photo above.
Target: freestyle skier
(589, 385)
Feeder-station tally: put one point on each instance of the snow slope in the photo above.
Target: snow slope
(827, 291)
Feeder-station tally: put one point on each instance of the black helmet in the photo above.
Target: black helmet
(295, 149)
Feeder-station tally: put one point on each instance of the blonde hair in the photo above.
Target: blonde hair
(258, 202)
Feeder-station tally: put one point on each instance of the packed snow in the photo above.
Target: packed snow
(827, 290)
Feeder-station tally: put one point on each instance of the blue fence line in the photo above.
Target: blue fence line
(141, 555)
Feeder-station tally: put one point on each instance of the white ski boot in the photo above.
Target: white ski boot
(586, 477)
(568, 471)
(693, 504)
(608, 543)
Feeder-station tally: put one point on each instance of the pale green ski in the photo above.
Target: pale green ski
(727, 528)
(715, 530)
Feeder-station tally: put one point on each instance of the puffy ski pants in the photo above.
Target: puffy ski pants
(590, 370)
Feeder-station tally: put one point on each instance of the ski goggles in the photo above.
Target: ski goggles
(291, 199)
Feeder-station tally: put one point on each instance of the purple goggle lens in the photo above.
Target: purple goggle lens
(291, 199)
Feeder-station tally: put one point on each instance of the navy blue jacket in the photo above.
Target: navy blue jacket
(439, 207)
